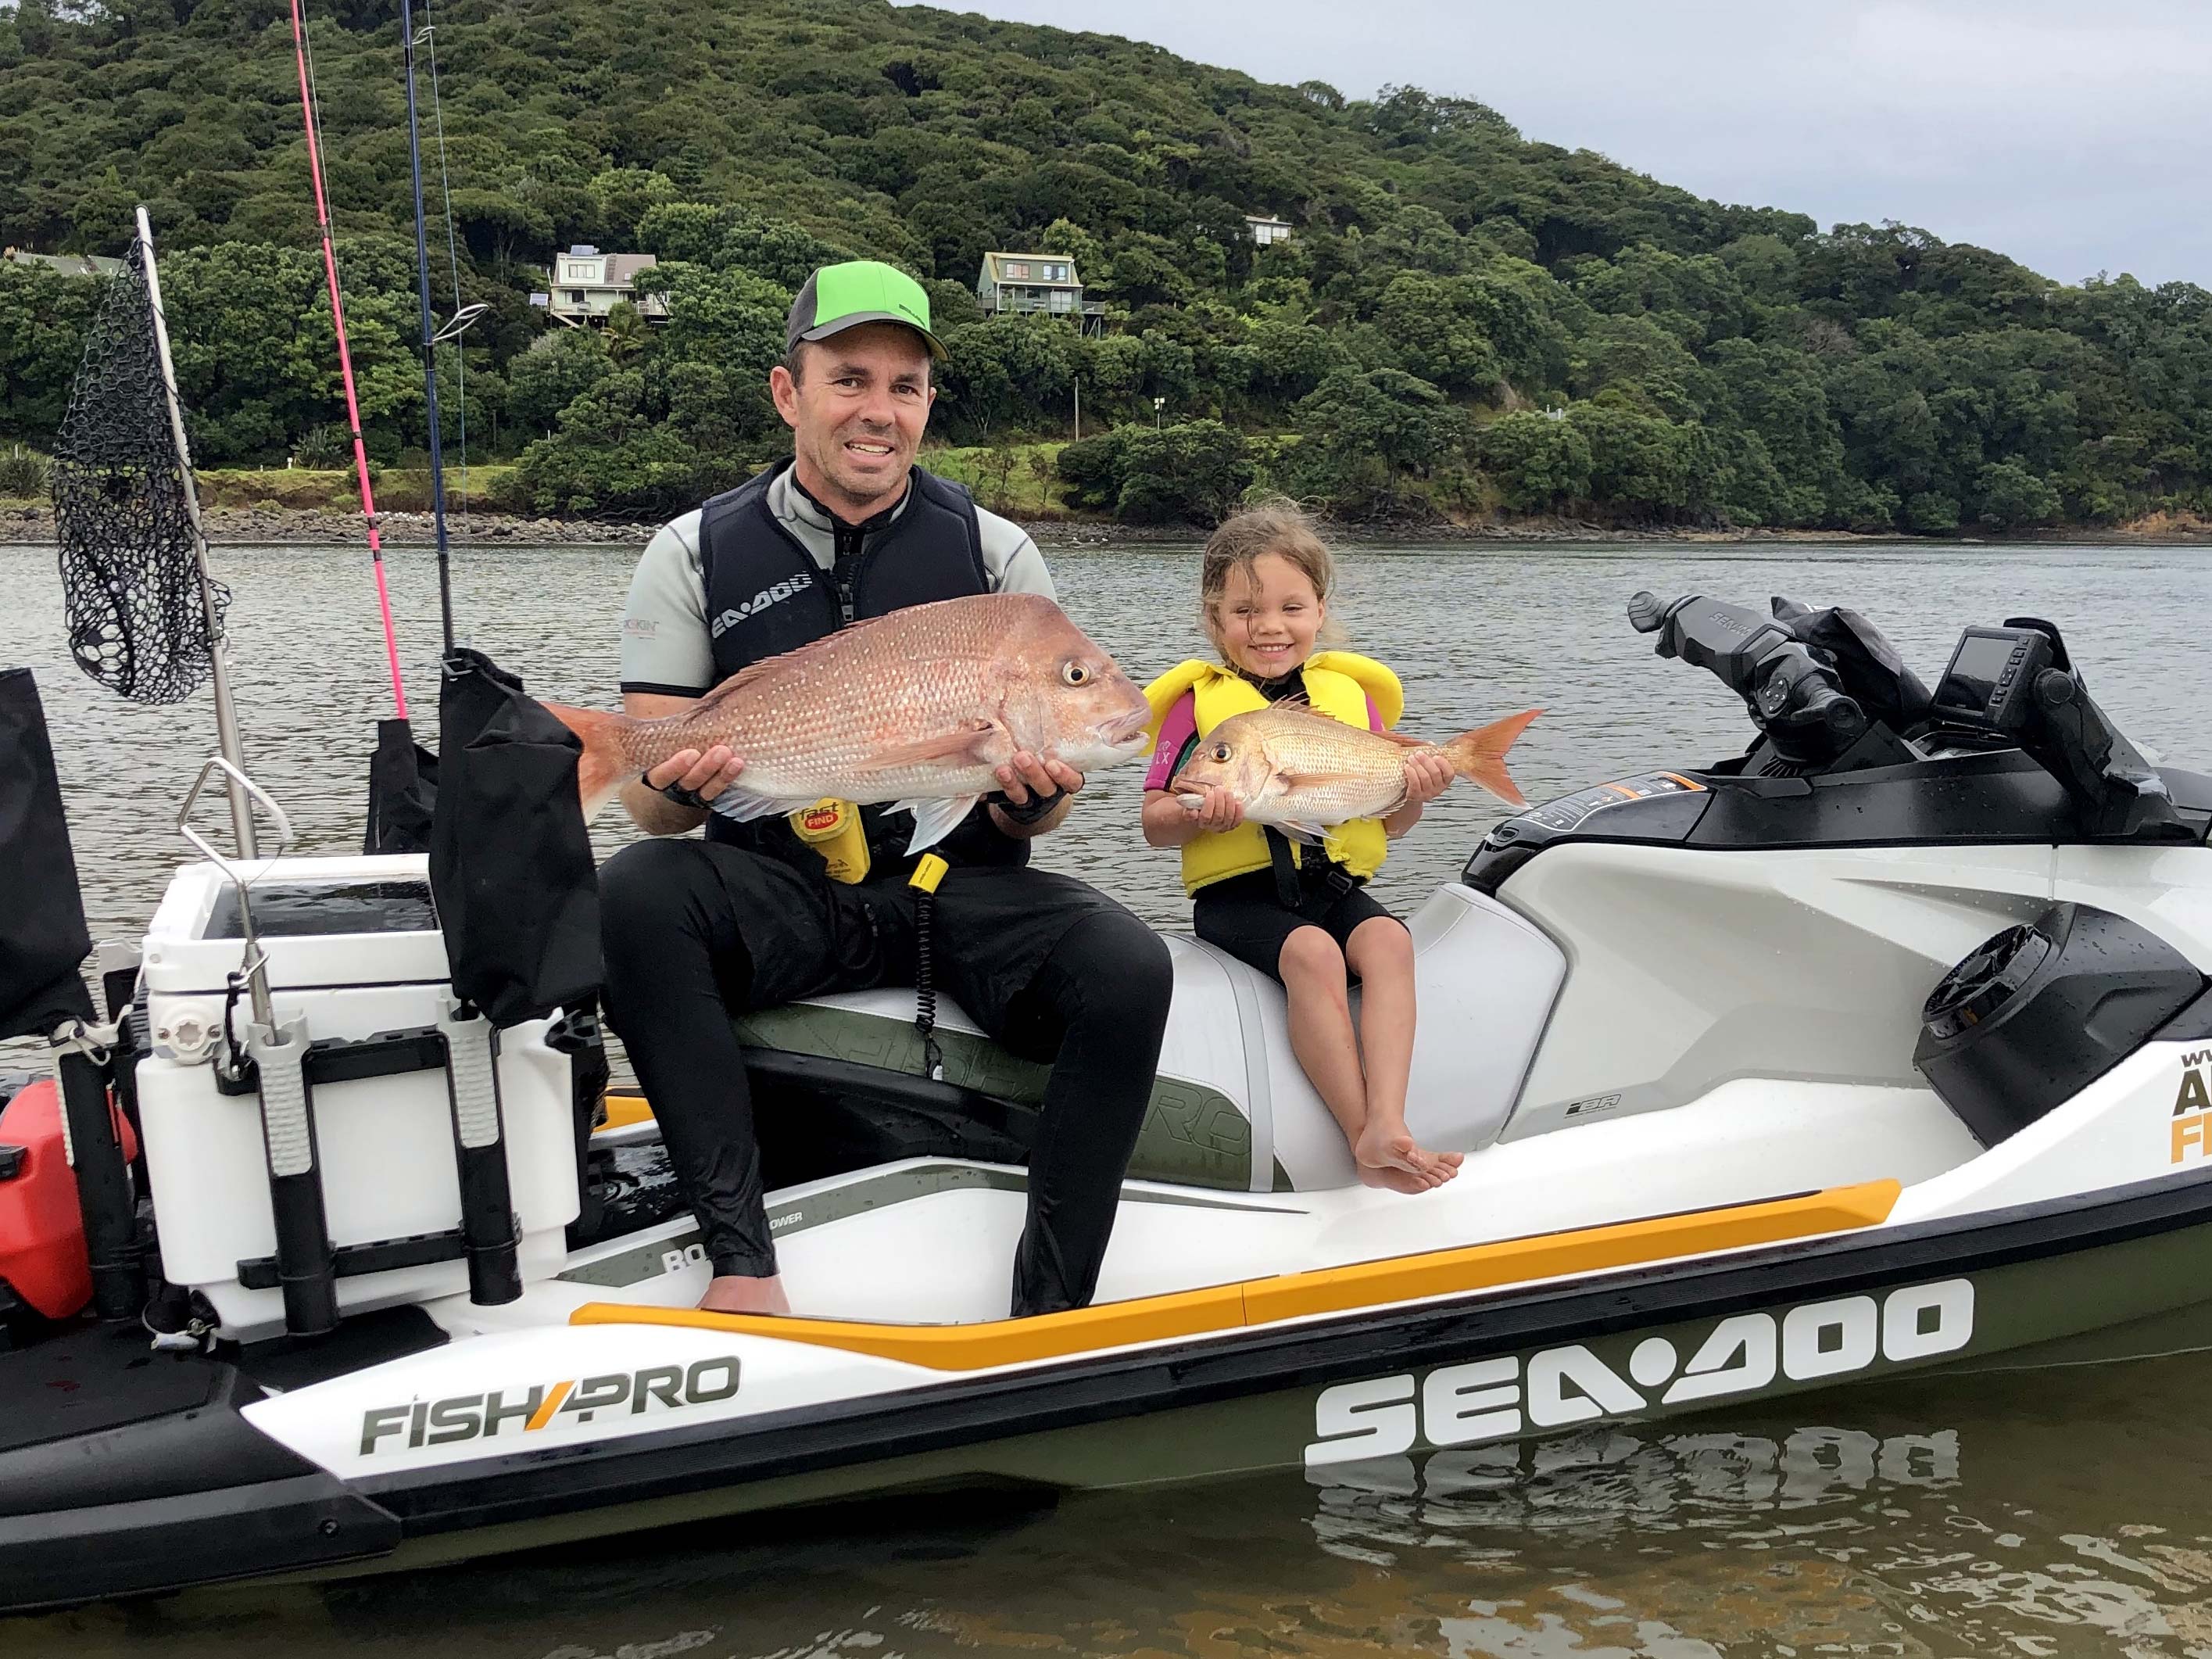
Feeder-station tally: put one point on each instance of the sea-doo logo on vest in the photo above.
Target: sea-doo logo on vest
(760, 602)
(546, 1405)
(2192, 1106)
(1556, 1387)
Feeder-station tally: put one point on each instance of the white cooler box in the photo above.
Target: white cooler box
(354, 950)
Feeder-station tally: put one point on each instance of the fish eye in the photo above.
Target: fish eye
(1220, 751)
(1074, 672)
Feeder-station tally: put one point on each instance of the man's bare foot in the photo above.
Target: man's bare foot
(735, 1293)
(1385, 1145)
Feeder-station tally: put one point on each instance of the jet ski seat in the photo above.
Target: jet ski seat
(1231, 1108)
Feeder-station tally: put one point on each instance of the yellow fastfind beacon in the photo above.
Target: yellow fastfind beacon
(928, 871)
(832, 827)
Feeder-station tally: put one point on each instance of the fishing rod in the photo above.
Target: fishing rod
(345, 366)
(431, 335)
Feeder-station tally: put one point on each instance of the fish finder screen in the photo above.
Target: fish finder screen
(1970, 682)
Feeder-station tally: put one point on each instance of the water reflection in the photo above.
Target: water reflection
(2049, 1513)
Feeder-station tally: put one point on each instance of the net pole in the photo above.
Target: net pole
(345, 362)
(226, 712)
(429, 344)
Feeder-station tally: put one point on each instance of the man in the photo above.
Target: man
(850, 528)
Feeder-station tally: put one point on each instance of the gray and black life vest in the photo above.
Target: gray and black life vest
(766, 595)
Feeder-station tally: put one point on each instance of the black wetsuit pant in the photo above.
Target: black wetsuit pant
(1054, 969)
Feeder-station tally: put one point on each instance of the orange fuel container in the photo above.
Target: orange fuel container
(42, 1254)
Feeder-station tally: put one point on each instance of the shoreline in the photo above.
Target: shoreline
(32, 527)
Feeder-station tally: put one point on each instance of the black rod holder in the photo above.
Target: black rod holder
(306, 1267)
(103, 1191)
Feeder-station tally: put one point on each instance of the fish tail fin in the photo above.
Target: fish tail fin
(602, 769)
(1480, 756)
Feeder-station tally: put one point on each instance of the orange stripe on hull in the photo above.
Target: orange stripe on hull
(623, 1111)
(543, 1414)
(1292, 1296)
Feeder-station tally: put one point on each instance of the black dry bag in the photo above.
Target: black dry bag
(42, 932)
(510, 865)
(403, 792)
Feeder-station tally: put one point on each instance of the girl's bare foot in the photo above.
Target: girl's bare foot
(1396, 1181)
(1388, 1145)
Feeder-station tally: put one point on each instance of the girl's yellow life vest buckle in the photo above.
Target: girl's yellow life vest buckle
(833, 828)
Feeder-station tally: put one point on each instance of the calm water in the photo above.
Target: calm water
(2061, 1512)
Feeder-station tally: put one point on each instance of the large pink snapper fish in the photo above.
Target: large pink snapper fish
(915, 709)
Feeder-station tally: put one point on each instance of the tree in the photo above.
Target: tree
(1362, 436)
(1193, 472)
(625, 333)
(2012, 498)
(1196, 473)
(550, 376)
(1538, 464)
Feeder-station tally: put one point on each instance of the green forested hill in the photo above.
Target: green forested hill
(1466, 321)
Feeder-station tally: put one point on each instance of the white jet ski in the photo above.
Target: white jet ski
(1887, 1045)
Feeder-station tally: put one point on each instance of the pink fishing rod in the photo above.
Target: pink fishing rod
(345, 363)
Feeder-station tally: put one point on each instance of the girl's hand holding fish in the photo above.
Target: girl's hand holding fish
(1428, 775)
(1214, 808)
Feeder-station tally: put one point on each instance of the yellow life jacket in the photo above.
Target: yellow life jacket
(1339, 683)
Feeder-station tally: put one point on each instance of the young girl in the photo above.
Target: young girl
(1299, 914)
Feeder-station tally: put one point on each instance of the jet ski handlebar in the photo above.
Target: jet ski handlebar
(1818, 682)
(1794, 693)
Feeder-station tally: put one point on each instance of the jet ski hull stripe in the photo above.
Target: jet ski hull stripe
(623, 1110)
(1292, 1296)
(643, 1471)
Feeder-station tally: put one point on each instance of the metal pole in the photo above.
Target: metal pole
(429, 344)
(1078, 410)
(225, 714)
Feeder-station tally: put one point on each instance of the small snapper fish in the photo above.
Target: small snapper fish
(1296, 770)
(915, 709)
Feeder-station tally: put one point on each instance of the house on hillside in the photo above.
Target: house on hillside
(1267, 229)
(587, 284)
(1036, 281)
(65, 264)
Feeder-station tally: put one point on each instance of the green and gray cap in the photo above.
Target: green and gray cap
(839, 297)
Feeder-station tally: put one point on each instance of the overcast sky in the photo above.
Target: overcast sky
(2075, 136)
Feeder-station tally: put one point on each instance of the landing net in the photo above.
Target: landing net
(130, 577)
